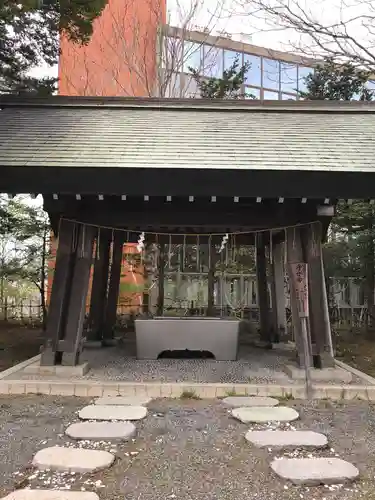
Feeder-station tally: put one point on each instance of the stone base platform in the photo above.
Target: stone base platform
(58, 370)
(320, 375)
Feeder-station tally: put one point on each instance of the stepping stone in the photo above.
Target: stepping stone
(51, 495)
(286, 439)
(98, 431)
(112, 412)
(59, 458)
(124, 401)
(262, 414)
(315, 471)
(241, 401)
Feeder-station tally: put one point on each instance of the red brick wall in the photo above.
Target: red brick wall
(121, 57)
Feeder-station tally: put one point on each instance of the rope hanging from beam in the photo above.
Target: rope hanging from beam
(231, 234)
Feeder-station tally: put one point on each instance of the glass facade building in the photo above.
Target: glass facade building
(272, 74)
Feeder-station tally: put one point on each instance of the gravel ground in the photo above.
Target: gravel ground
(254, 365)
(188, 449)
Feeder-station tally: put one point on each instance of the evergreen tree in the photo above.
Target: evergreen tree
(227, 87)
(337, 82)
(352, 252)
(29, 37)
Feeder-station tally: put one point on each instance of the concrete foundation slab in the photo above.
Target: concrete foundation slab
(315, 471)
(216, 335)
(58, 370)
(242, 401)
(265, 414)
(286, 439)
(124, 401)
(319, 375)
(59, 458)
(51, 495)
(112, 412)
(98, 431)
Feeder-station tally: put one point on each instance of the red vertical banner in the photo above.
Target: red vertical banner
(300, 285)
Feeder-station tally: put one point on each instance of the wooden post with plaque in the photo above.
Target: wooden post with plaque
(300, 284)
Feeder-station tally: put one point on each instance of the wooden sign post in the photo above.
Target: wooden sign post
(300, 284)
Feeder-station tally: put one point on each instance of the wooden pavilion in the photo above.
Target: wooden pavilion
(177, 167)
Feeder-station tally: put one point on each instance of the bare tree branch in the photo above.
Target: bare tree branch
(350, 37)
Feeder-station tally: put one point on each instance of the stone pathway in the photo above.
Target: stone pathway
(124, 401)
(112, 412)
(101, 431)
(286, 439)
(60, 458)
(108, 421)
(244, 401)
(264, 414)
(302, 471)
(315, 471)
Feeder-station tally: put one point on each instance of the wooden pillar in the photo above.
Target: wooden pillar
(295, 255)
(99, 285)
(278, 290)
(113, 289)
(263, 301)
(71, 344)
(319, 314)
(59, 294)
(161, 275)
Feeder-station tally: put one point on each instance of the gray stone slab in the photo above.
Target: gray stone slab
(58, 370)
(286, 439)
(51, 495)
(320, 375)
(241, 401)
(261, 414)
(315, 471)
(98, 431)
(112, 412)
(59, 458)
(123, 401)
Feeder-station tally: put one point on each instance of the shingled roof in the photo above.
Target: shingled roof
(188, 134)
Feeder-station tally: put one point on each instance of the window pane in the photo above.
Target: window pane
(252, 92)
(288, 77)
(303, 72)
(271, 76)
(286, 97)
(272, 96)
(192, 56)
(230, 56)
(370, 85)
(213, 61)
(253, 76)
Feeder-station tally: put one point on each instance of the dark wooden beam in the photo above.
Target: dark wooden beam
(294, 183)
(294, 256)
(71, 343)
(319, 315)
(59, 295)
(262, 284)
(99, 285)
(113, 290)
